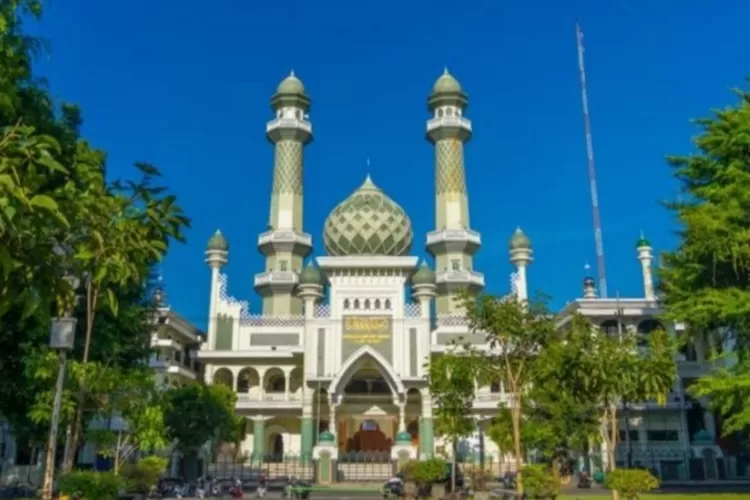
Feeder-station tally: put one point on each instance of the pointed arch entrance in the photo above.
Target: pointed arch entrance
(366, 394)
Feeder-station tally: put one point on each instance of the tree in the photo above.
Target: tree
(55, 195)
(516, 331)
(196, 414)
(452, 378)
(705, 281)
(136, 404)
(603, 370)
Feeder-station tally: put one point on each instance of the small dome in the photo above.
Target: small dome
(642, 241)
(291, 85)
(326, 437)
(588, 282)
(446, 83)
(217, 242)
(403, 437)
(703, 436)
(423, 276)
(519, 241)
(310, 275)
(368, 223)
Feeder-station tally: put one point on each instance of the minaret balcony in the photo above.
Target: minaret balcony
(471, 279)
(284, 241)
(289, 128)
(449, 126)
(453, 240)
(276, 279)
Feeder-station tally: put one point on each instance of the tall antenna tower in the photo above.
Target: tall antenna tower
(600, 268)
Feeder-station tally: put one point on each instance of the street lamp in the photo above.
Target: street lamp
(61, 338)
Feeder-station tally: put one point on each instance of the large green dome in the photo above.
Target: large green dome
(368, 223)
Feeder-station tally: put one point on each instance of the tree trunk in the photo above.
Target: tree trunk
(454, 465)
(610, 432)
(515, 415)
(117, 452)
(74, 429)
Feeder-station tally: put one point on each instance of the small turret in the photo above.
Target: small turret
(589, 284)
(521, 255)
(646, 256)
(217, 250)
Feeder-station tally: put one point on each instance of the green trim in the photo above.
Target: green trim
(218, 242)
(259, 438)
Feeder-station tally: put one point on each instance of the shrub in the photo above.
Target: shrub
(631, 482)
(428, 471)
(538, 482)
(479, 477)
(92, 485)
(144, 475)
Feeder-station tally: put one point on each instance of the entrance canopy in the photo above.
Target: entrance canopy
(366, 355)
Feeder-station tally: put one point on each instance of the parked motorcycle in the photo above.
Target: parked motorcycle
(297, 490)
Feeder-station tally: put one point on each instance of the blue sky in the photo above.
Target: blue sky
(187, 87)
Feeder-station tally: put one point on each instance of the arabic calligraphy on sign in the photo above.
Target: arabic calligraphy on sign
(371, 330)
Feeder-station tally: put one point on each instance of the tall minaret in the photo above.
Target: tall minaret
(646, 256)
(217, 256)
(285, 245)
(452, 243)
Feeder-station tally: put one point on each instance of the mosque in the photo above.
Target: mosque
(337, 354)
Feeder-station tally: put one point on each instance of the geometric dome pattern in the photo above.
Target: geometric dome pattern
(368, 223)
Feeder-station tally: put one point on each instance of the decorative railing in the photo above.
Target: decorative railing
(268, 396)
(412, 310)
(322, 311)
(263, 320)
(447, 320)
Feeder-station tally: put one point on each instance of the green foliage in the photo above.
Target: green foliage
(428, 471)
(58, 214)
(195, 414)
(517, 332)
(144, 475)
(91, 485)
(452, 378)
(478, 477)
(539, 482)
(705, 281)
(631, 483)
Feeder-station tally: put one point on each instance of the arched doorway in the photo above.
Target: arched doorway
(369, 439)
(277, 445)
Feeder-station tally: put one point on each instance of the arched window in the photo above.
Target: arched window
(367, 303)
(646, 328)
(439, 113)
(377, 303)
(356, 303)
(611, 327)
(347, 304)
(388, 304)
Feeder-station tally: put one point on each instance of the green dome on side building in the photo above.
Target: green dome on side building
(218, 242)
(424, 275)
(642, 241)
(311, 275)
(326, 437)
(403, 437)
(519, 241)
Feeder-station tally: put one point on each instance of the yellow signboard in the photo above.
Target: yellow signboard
(370, 330)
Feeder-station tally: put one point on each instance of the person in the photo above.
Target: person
(236, 491)
(262, 485)
(394, 487)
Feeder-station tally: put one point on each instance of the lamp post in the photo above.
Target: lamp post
(61, 338)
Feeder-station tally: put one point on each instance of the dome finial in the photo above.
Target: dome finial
(445, 70)
(291, 73)
(587, 268)
(642, 241)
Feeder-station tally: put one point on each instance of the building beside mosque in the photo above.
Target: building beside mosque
(337, 353)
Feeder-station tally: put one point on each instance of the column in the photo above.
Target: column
(259, 439)
(333, 427)
(307, 430)
(402, 417)
(426, 433)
